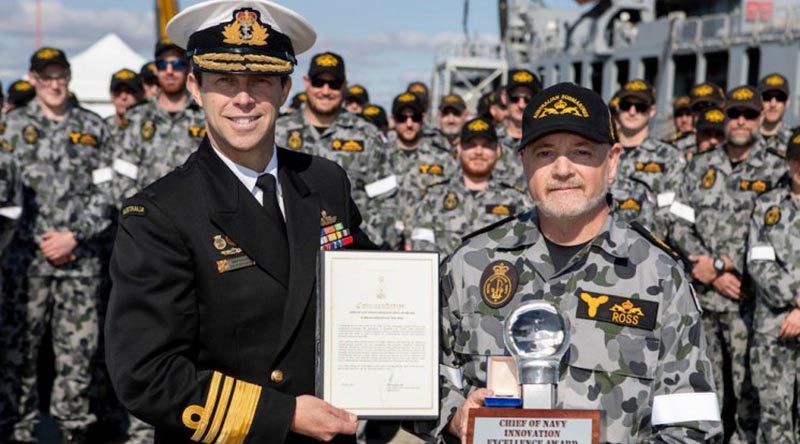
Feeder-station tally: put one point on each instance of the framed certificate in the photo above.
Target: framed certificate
(378, 319)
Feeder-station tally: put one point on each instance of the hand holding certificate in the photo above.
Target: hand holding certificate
(379, 316)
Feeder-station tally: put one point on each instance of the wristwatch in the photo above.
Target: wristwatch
(79, 236)
(719, 265)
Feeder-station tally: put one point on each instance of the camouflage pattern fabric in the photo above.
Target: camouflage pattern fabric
(778, 141)
(153, 144)
(617, 369)
(774, 265)
(450, 211)
(509, 166)
(66, 183)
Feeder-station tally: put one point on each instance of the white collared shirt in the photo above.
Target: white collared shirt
(249, 177)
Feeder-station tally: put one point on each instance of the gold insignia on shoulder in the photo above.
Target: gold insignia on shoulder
(406, 98)
(561, 105)
(434, 170)
(197, 132)
(772, 216)
(74, 137)
(478, 125)
(715, 116)
(371, 111)
(46, 53)
(295, 140)
(245, 29)
(630, 204)
(326, 60)
(124, 74)
(703, 90)
(450, 201)
(355, 90)
(134, 210)
(635, 85)
(353, 146)
(742, 94)
(523, 77)
(30, 134)
(498, 283)
(219, 242)
(148, 129)
(327, 219)
(774, 80)
(709, 178)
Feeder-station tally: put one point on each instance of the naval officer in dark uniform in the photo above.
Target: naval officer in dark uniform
(211, 324)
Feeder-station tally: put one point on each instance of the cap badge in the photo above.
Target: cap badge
(614, 103)
(742, 94)
(417, 88)
(356, 90)
(703, 90)
(774, 80)
(715, 116)
(406, 98)
(523, 77)
(450, 99)
(478, 125)
(560, 105)
(22, 86)
(245, 29)
(124, 74)
(636, 85)
(796, 139)
(371, 111)
(46, 53)
(326, 60)
(682, 101)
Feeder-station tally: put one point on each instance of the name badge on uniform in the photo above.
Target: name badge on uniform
(626, 312)
(102, 175)
(500, 209)
(233, 256)
(650, 167)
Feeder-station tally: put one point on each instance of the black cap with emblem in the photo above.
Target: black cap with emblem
(638, 89)
(478, 127)
(327, 62)
(774, 82)
(682, 103)
(128, 78)
(20, 93)
(523, 77)
(166, 45)
(744, 97)
(452, 101)
(706, 94)
(46, 56)
(793, 146)
(567, 107)
(232, 36)
(407, 100)
(148, 74)
(298, 100)
(712, 119)
(357, 93)
(376, 115)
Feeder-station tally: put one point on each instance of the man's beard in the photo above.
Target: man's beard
(737, 140)
(556, 211)
(477, 172)
(316, 110)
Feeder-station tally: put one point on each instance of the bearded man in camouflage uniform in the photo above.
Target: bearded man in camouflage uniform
(467, 201)
(54, 258)
(774, 265)
(648, 376)
(162, 132)
(322, 127)
(711, 215)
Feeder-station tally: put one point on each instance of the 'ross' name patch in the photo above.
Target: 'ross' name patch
(627, 312)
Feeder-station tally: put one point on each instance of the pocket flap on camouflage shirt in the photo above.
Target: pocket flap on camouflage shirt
(621, 352)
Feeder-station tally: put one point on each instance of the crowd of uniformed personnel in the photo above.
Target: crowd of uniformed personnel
(723, 192)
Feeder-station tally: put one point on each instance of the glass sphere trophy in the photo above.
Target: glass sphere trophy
(538, 337)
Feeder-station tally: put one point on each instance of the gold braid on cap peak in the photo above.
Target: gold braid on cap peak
(219, 61)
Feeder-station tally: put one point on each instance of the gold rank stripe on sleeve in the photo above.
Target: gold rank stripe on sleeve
(229, 412)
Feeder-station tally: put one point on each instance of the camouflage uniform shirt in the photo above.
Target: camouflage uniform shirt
(450, 211)
(66, 182)
(617, 367)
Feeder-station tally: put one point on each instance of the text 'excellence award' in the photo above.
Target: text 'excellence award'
(537, 335)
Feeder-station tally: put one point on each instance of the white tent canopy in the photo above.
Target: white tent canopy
(92, 70)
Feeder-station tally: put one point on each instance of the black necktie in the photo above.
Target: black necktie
(270, 197)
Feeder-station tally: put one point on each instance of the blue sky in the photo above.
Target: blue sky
(386, 44)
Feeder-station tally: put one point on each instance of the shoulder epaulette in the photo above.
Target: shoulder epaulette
(487, 228)
(658, 242)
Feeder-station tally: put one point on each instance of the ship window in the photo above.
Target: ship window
(623, 72)
(717, 68)
(685, 69)
(753, 65)
(651, 69)
(577, 73)
(597, 77)
(541, 72)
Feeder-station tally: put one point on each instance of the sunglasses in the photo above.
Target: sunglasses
(640, 107)
(777, 95)
(332, 84)
(402, 118)
(177, 65)
(451, 111)
(749, 114)
(517, 97)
